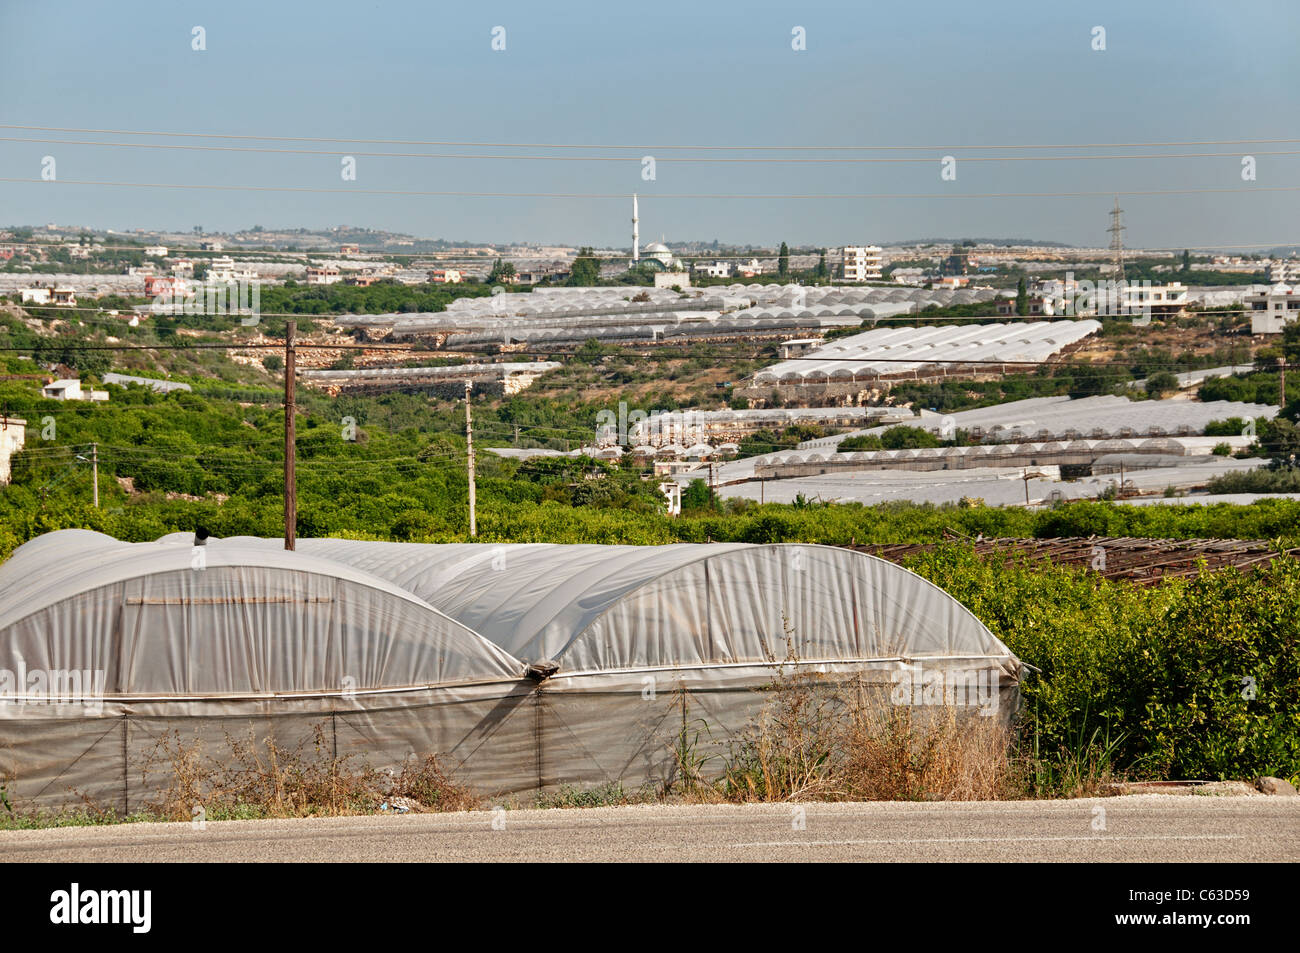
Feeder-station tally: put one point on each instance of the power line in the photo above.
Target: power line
(695, 196)
(839, 160)
(701, 148)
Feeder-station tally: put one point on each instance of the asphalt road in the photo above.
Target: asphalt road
(1142, 828)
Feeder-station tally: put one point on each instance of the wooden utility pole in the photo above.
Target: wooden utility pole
(290, 408)
(94, 470)
(469, 440)
(1281, 390)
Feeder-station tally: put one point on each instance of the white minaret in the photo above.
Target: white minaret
(636, 237)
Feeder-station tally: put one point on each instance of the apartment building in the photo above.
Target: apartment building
(862, 263)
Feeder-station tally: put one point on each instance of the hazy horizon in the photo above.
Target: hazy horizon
(619, 83)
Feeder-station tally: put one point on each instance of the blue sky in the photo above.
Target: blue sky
(927, 74)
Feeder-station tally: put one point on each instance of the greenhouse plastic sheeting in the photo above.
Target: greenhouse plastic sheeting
(389, 650)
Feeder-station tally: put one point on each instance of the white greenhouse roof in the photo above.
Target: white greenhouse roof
(592, 607)
(997, 486)
(1063, 418)
(897, 350)
(189, 630)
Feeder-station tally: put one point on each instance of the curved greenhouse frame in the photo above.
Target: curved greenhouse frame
(522, 666)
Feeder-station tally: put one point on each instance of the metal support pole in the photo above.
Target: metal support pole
(469, 441)
(290, 409)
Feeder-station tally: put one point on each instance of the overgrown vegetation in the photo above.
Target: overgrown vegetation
(1196, 678)
(814, 744)
(252, 777)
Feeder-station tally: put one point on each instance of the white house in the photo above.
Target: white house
(69, 388)
(712, 269)
(1272, 310)
(156, 251)
(1036, 305)
(62, 297)
(224, 269)
(324, 275)
(1140, 298)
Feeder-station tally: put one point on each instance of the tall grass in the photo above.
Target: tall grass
(259, 778)
(815, 741)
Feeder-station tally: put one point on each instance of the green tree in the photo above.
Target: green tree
(1022, 298)
(1160, 383)
(907, 438)
(585, 271)
(698, 496)
(502, 272)
(783, 261)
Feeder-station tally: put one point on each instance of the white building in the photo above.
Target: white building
(219, 268)
(62, 297)
(1058, 288)
(1272, 310)
(1284, 271)
(1140, 298)
(712, 269)
(862, 263)
(69, 388)
(324, 275)
(1035, 305)
(13, 434)
(225, 269)
(156, 251)
(787, 350)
